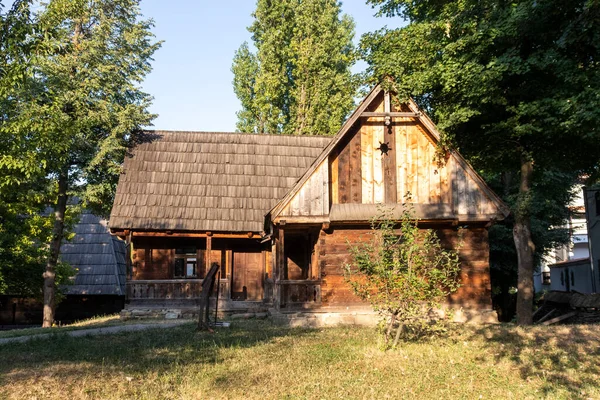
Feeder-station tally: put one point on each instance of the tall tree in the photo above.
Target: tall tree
(82, 107)
(513, 84)
(299, 80)
(23, 190)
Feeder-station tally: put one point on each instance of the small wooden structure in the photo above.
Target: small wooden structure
(277, 212)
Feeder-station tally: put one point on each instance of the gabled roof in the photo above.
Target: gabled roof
(205, 181)
(422, 118)
(98, 256)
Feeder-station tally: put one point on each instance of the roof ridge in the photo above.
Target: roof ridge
(239, 133)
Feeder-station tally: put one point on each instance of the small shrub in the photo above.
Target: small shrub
(405, 274)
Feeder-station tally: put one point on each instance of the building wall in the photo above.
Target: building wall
(592, 204)
(475, 290)
(575, 278)
(375, 163)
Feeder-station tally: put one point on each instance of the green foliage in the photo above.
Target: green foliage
(299, 80)
(505, 82)
(405, 275)
(70, 105)
(500, 78)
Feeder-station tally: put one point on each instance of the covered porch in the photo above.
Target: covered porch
(167, 270)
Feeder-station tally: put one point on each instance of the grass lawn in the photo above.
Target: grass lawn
(254, 359)
(97, 322)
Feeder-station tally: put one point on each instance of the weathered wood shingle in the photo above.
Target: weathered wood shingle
(204, 181)
(98, 257)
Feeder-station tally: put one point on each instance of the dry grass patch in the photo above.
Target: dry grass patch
(96, 322)
(260, 360)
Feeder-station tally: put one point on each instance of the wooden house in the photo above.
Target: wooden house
(276, 213)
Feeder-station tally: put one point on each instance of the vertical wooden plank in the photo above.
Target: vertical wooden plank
(355, 169)
(454, 183)
(389, 165)
(316, 191)
(400, 163)
(434, 176)
(412, 159)
(423, 173)
(386, 102)
(294, 206)
(378, 190)
(366, 146)
(473, 197)
(277, 270)
(462, 190)
(227, 264)
(303, 199)
(325, 187)
(445, 189)
(344, 175)
(334, 179)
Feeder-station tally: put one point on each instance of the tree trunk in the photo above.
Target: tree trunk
(524, 245)
(57, 236)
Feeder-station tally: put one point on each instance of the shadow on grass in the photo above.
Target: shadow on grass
(561, 356)
(136, 353)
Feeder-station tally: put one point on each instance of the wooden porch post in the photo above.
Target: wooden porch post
(208, 252)
(278, 273)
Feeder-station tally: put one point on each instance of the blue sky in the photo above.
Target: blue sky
(191, 77)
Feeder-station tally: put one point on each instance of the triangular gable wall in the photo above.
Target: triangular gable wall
(353, 174)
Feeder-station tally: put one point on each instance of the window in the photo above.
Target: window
(572, 278)
(186, 263)
(546, 278)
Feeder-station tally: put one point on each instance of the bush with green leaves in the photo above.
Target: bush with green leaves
(406, 274)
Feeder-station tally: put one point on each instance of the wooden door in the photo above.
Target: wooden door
(247, 276)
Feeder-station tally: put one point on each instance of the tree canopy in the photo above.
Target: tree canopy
(514, 85)
(299, 79)
(72, 104)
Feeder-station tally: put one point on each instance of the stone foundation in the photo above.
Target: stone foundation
(309, 319)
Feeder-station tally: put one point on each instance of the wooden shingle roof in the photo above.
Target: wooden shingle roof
(98, 257)
(205, 181)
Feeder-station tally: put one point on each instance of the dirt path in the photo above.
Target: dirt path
(95, 331)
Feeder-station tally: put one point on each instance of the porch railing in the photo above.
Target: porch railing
(166, 289)
(170, 289)
(295, 292)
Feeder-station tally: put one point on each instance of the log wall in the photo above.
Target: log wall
(475, 290)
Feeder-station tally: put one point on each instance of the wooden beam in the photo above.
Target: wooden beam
(355, 181)
(300, 219)
(387, 107)
(208, 252)
(334, 179)
(194, 235)
(560, 318)
(546, 316)
(390, 186)
(279, 265)
(391, 114)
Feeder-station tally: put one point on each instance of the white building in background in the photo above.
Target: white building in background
(576, 266)
(568, 267)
